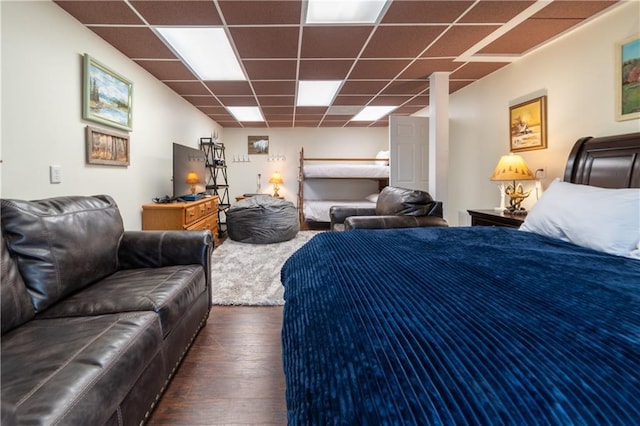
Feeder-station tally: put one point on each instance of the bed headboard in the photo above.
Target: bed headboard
(608, 162)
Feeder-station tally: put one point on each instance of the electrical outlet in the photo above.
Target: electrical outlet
(55, 173)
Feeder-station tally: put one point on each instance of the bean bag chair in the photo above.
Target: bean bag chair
(262, 219)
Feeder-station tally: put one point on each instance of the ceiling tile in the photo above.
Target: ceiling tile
(202, 100)
(263, 88)
(377, 69)
(528, 35)
(276, 100)
(352, 100)
(407, 110)
(418, 101)
(281, 123)
(229, 124)
(318, 69)
(238, 100)
(423, 68)
(333, 123)
(213, 110)
(182, 12)
(270, 69)
(401, 41)
(188, 87)
(136, 43)
(167, 70)
(276, 110)
(102, 12)
(455, 85)
(458, 39)
(260, 12)
(229, 88)
(366, 87)
(425, 11)
(389, 100)
(579, 9)
(477, 70)
(266, 42)
(496, 11)
(311, 110)
(406, 87)
(333, 41)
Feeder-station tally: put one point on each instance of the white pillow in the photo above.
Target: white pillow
(383, 155)
(373, 198)
(603, 219)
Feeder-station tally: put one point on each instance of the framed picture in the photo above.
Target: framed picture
(258, 144)
(107, 147)
(528, 125)
(106, 96)
(628, 79)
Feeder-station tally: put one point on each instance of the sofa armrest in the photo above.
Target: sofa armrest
(338, 214)
(153, 249)
(387, 222)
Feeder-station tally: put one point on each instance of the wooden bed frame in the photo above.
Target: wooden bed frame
(608, 162)
(320, 225)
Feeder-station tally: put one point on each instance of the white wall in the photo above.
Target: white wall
(577, 74)
(42, 49)
(320, 142)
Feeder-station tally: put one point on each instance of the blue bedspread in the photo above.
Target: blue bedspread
(457, 326)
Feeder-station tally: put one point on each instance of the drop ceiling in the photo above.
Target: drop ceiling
(386, 63)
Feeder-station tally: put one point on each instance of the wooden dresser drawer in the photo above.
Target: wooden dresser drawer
(191, 216)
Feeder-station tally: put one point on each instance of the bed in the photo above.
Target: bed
(337, 181)
(468, 325)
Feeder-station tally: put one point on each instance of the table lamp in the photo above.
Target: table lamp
(192, 179)
(512, 167)
(276, 179)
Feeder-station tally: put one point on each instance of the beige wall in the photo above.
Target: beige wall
(576, 72)
(42, 49)
(320, 142)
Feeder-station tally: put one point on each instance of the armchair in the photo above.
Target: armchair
(395, 208)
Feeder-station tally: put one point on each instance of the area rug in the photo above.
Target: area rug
(249, 274)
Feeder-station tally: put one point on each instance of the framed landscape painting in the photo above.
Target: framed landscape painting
(107, 148)
(628, 79)
(107, 96)
(528, 125)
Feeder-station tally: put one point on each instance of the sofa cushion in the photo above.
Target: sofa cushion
(62, 244)
(16, 304)
(78, 369)
(401, 201)
(170, 291)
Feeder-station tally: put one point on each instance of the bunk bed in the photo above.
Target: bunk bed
(315, 212)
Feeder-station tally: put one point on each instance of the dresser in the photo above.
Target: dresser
(495, 218)
(191, 216)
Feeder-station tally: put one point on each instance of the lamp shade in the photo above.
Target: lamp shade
(276, 178)
(192, 177)
(512, 167)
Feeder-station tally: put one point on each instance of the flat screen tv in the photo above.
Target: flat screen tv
(189, 172)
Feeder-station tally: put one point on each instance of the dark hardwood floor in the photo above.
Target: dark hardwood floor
(232, 373)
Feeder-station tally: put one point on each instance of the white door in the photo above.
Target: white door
(409, 156)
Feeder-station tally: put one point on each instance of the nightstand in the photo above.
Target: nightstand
(495, 218)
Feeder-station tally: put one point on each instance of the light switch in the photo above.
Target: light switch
(55, 173)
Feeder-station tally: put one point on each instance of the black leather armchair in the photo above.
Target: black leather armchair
(395, 208)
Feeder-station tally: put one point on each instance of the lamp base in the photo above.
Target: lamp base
(520, 212)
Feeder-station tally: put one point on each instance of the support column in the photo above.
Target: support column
(439, 137)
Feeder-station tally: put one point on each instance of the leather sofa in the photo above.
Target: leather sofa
(95, 319)
(395, 208)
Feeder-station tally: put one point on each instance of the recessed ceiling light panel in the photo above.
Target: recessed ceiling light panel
(317, 92)
(344, 11)
(373, 113)
(206, 50)
(246, 113)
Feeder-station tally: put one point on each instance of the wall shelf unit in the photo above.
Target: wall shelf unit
(217, 182)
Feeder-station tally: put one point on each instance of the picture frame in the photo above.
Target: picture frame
(107, 97)
(627, 69)
(107, 147)
(258, 145)
(528, 125)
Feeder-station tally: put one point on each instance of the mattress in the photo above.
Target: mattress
(318, 210)
(478, 325)
(343, 171)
